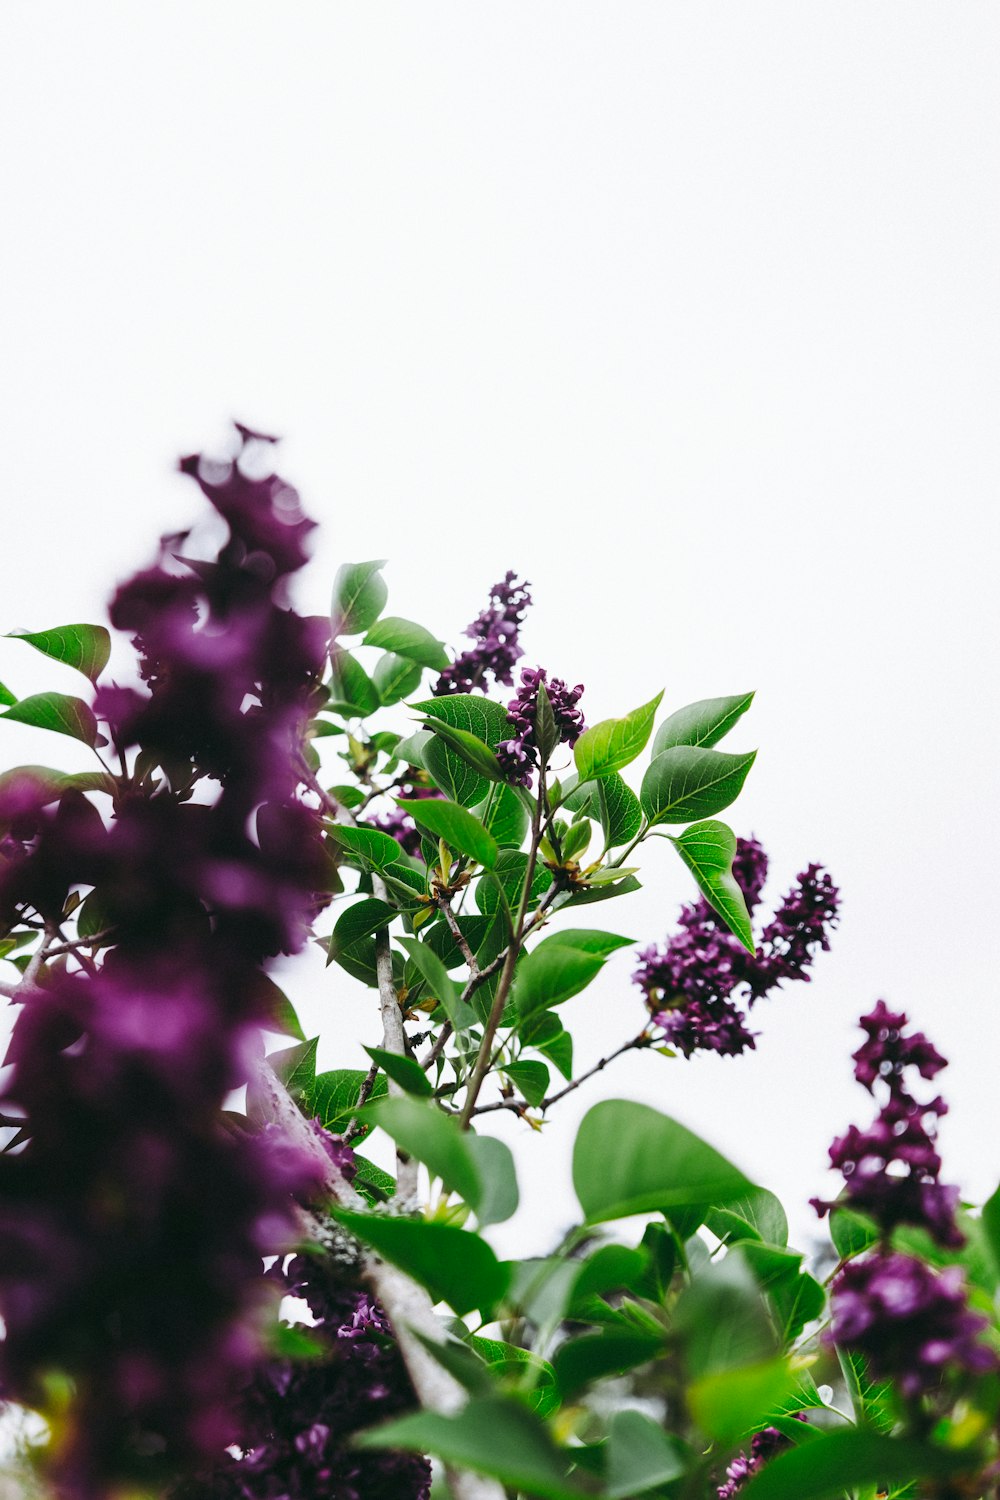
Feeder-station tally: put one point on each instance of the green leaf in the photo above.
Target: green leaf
(333, 1097)
(482, 717)
(405, 1071)
(455, 1265)
(754, 1215)
(359, 595)
(496, 1437)
(500, 890)
(559, 1050)
(613, 743)
(440, 986)
(6, 696)
(686, 783)
(551, 974)
(58, 712)
(991, 1227)
(85, 647)
(436, 1139)
(708, 850)
(640, 1456)
(468, 747)
(703, 723)
(408, 639)
(456, 825)
(612, 1268)
(296, 1066)
(499, 1196)
(585, 940)
(630, 1159)
(351, 689)
(356, 923)
(281, 1012)
(851, 1232)
(594, 1356)
(871, 1400)
(729, 1403)
(848, 1458)
(505, 816)
(396, 677)
(452, 774)
(371, 1181)
(619, 809)
(797, 1302)
(531, 1079)
(373, 848)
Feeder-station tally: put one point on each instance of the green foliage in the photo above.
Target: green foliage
(58, 712)
(708, 850)
(684, 783)
(84, 647)
(496, 1437)
(359, 595)
(613, 743)
(455, 1265)
(845, 1460)
(459, 829)
(703, 723)
(409, 640)
(631, 1159)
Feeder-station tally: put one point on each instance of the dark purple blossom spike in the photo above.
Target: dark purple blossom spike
(692, 985)
(520, 755)
(132, 1221)
(496, 648)
(912, 1323)
(891, 1168)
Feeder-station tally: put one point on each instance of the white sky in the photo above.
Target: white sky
(688, 312)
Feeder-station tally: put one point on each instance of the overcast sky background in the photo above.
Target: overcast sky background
(687, 312)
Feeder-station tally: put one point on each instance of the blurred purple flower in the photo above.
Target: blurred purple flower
(911, 1322)
(132, 1221)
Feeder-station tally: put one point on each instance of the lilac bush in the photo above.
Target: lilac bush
(265, 780)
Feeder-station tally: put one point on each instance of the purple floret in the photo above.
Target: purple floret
(496, 648)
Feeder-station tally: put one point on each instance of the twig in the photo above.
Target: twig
(518, 1106)
(364, 1093)
(444, 906)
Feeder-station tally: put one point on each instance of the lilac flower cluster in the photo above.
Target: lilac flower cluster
(296, 1418)
(891, 1169)
(910, 1321)
(519, 756)
(763, 1445)
(692, 984)
(496, 647)
(132, 1222)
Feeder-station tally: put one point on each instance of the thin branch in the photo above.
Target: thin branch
(517, 1106)
(507, 973)
(444, 906)
(364, 1094)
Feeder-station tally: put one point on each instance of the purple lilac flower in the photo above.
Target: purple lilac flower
(496, 647)
(891, 1168)
(763, 1446)
(519, 755)
(692, 984)
(296, 1419)
(911, 1322)
(132, 1222)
